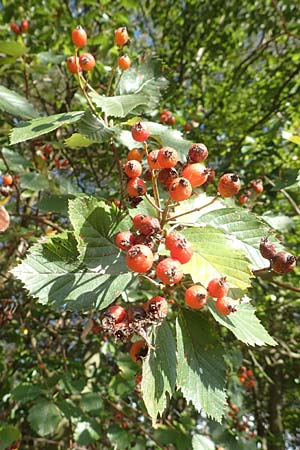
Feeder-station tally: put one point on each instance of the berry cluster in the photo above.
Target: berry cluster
(240, 424)
(7, 308)
(7, 184)
(246, 377)
(47, 153)
(86, 61)
(14, 446)
(256, 188)
(280, 262)
(167, 117)
(22, 27)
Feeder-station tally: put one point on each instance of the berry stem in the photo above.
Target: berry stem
(155, 283)
(259, 271)
(153, 204)
(193, 210)
(82, 87)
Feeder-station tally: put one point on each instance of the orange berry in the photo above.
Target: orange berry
(87, 62)
(138, 350)
(180, 189)
(226, 305)
(121, 36)
(257, 186)
(79, 36)
(196, 296)
(195, 173)
(7, 180)
(133, 168)
(124, 62)
(152, 159)
(135, 153)
(169, 271)
(72, 64)
(167, 157)
(136, 187)
(229, 184)
(217, 287)
(139, 258)
(24, 25)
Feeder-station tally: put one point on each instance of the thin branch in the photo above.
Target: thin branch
(152, 204)
(285, 286)
(287, 196)
(40, 219)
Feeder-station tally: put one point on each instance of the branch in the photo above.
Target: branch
(287, 196)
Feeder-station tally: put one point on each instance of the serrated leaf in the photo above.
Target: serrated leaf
(159, 371)
(95, 129)
(26, 391)
(44, 418)
(16, 104)
(215, 256)
(243, 324)
(245, 228)
(200, 366)
(119, 105)
(43, 125)
(34, 181)
(15, 161)
(52, 273)
(94, 230)
(202, 443)
(13, 48)
(78, 141)
(8, 435)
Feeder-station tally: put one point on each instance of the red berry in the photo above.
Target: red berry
(198, 153)
(114, 314)
(172, 239)
(180, 189)
(7, 180)
(136, 187)
(171, 120)
(79, 36)
(65, 162)
(48, 149)
(243, 369)
(165, 115)
(249, 373)
(196, 296)
(125, 424)
(169, 271)
(135, 153)
(267, 248)
(244, 198)
(87, 62)
(139, 258)
(138, 350)
(152, 159)
(283, 262)
(146, 240)
(118, 416)
(140, 132)
(187, 127)
(137, 220)
(166, 176)
(242, 379)
(167, 157)
(182, 250)
(218, 287)
(121, 36)
(125, 240)
(15, 28)
(226, 305)
(211, 175)
(149, 226)
(195, 173)
(133, 168)
(257, 186)
(24, 25)
(124, 62)
(72, 64)
(156, 308)
(229, 184)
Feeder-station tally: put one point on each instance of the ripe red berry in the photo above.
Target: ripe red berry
(87, 62)
(149, 226)
(114, 314)
(135, 153)
(180, 189)
(65, 162)
(226, 305)
(156, 308)
(121, 36)
(133, 168)
(125, 240)
(139, 258)
(79, 36)
(196, 296)
(218, 287)
(195, 173)
(182, 250)
(48, 149)
(171, 120)
(152, 159)
(167, 157)
(138, 350)
(172, 239)
(166, 176)
(136, 187)
(146, 240)
(229, 184)
(169, 271)
(187, 127)
(283, 262)
(249, 373)
(267, 248)
(24, 25)
(140, 132)
(242, 379)
(125, 424)
(137, 220)
(7, 180)
(257, 186)
(198, 153)
(72, 64)
(211, 175)
(15, 28)
(118, 416)
(124, 62)
(243, 199)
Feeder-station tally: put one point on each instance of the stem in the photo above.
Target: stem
(39, 219)
(113, 70)
(259, 271)
(287, 196)
(120, 170)
(82, 87)
(153, 204)
(194, 210)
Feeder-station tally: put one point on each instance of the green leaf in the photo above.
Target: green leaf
(26, 391)
(95, 129)
(202, 443)
(44, 418)
(159, 371)
(95, 231)
(78, 141)
(55, 203)
(16, 104)
(15, 161)
(119, 105)
(52, 273)
(200, 366)
(8, 435)
(246, 229)
(34, 181)
(69, 409)
(120, 439)
(43, 125)
(216, 256)
(13, 48)
(91, 401)
(87, 432)
(291, 137)
(243, 324)
(50, 57)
